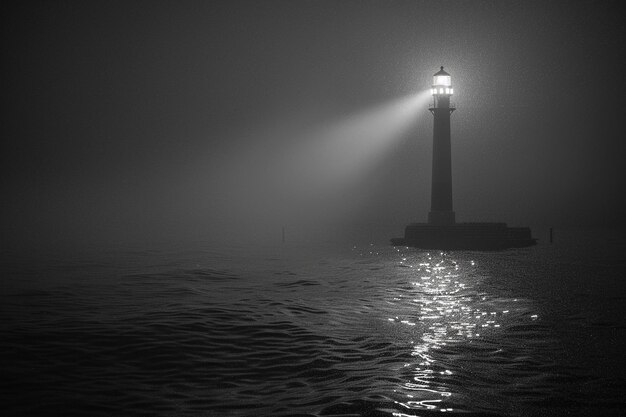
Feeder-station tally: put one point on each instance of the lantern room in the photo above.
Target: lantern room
(442, 83)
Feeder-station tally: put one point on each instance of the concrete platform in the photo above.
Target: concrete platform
(465, 236)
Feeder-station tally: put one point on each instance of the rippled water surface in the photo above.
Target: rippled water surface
(335, 330)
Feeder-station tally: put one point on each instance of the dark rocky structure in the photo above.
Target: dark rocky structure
(468, 236)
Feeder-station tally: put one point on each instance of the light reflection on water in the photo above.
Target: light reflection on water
(314, 332)
(446, 308)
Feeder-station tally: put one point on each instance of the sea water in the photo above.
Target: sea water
(336, 329)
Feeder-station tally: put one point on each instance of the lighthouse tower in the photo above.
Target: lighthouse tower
(442, 231)
(441, 212)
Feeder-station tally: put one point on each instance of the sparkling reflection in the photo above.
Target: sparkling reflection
(445, 308)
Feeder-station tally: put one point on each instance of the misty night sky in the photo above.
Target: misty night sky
(152, 119)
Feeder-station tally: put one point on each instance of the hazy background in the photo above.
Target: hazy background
(136, 121)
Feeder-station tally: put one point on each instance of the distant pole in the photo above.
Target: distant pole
(551, 235)
(283, 234)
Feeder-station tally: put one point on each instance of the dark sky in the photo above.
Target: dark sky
(126, 120)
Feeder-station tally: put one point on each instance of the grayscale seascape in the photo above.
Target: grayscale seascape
(213, 208)
(317, 330)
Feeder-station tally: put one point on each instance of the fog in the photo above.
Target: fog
(304, 177)
(162, 121)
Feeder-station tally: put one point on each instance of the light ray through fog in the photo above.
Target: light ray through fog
(314, 174)
(326, 179)
(341, 153)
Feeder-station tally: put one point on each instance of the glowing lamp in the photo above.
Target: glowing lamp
(442, 83)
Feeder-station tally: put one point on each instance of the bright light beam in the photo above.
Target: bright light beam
(296, 174)
(338, 155)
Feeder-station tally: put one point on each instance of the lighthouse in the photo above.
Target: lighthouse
(442, 231)
(441, 212)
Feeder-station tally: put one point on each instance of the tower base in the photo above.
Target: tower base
(441, 218)
(465, 236)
